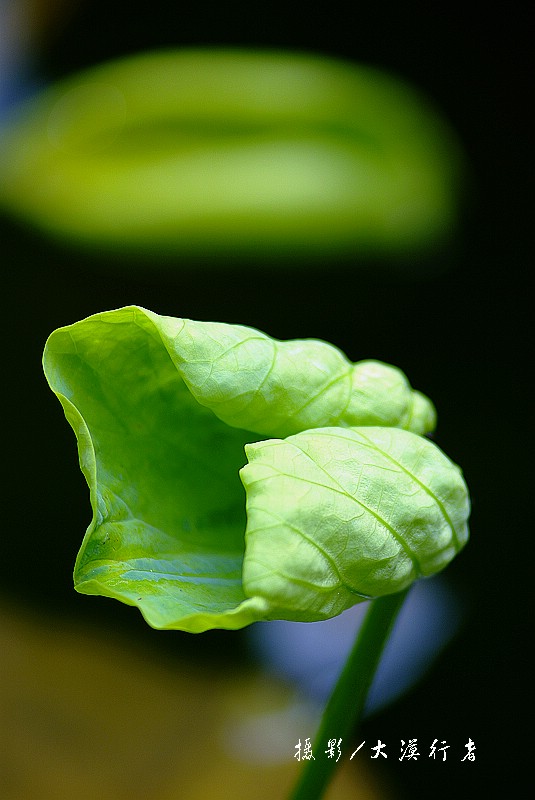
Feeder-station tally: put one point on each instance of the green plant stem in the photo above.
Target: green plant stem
(344, 708)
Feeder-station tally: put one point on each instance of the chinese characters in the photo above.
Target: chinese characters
(408, 752)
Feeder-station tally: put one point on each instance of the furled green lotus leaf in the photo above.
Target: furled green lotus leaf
(335, 515)
(353, 503)
(229, 151)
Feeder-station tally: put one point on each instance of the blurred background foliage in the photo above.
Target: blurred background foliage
(233, 152)
(90, 696)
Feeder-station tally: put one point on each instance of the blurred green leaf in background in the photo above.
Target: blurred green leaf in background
(233, 152)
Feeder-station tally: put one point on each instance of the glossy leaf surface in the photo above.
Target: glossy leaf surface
(163, 409)
(338, 515)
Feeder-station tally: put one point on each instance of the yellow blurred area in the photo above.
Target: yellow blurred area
(82, 716)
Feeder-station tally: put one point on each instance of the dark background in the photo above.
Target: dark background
(460, 333)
